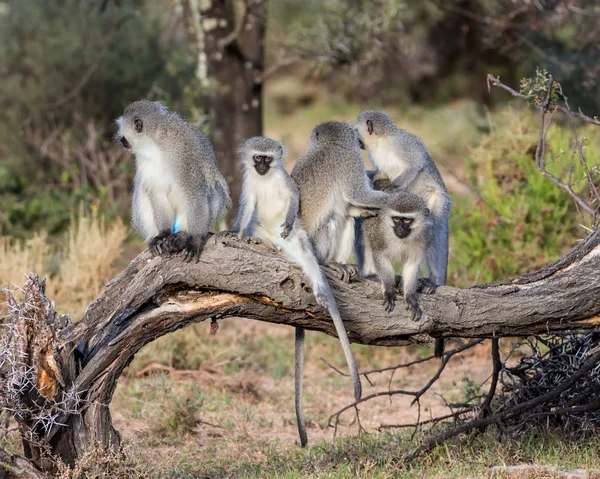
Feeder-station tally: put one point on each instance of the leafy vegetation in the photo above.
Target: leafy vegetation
(516, 220)
(68, 70)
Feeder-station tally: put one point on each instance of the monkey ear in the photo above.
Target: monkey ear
(370, 127)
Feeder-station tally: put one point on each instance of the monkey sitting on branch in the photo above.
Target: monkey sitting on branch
(178, 191)
(402, 231)
(269, 211)
(403, 158)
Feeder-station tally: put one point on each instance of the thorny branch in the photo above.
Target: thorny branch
(588, 201)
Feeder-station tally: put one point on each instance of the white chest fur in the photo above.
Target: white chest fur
(387, 159)
(150, 168)
(272, 199)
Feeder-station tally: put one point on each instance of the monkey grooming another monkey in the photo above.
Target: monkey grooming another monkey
(178, 191)
(405, 160)
(269, 211)
(334, 190)
(402, 231)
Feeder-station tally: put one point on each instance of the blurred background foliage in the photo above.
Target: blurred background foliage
(69, 67)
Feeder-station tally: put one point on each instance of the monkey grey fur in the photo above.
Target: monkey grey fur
(269, 210)
(178, 191)
(402, 231)
(406, 161)
(334, 189)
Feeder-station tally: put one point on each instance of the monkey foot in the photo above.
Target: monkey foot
(159, 244)
(182, 241)
(253, 240)
(412, 304)
(346, 272)
(426, 286)
(228, 234)
(389, 301)
(193, 246)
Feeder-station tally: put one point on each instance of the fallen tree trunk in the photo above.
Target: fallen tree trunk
(67, 410)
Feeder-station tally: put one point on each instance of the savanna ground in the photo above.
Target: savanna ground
(195, 405)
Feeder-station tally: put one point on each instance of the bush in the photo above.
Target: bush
(518, 220)
(68, 70)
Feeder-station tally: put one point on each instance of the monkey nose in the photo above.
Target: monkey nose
(361, 145)
(124, 142)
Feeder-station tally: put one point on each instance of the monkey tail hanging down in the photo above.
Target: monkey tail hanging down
(178, 191)
(269, 211)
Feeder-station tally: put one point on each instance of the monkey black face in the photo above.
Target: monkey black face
(402, 226)
(262, 163)
(125, 142)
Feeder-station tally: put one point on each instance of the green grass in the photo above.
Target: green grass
(375, 456)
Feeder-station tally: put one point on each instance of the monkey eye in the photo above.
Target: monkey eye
(407, 221)
(138, 125)
(396, 219)
(267, 160)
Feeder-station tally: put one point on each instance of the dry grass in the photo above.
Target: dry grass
(77, 270)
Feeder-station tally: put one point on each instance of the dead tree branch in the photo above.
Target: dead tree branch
(63, 394)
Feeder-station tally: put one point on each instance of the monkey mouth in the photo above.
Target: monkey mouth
(261, 169)
(125, 142)
(361, 145)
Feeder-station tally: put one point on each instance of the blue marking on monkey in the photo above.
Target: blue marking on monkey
(176, 226)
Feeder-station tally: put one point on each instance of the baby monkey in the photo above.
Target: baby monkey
(401, 231)
(269, 211)
(178, 191)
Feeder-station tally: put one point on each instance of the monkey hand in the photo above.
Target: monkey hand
(389, 301)
(286, 229)
(426, 286)
(412, 304)
(159, 245)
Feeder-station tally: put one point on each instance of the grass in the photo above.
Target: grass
(379, 456)
(76, 270)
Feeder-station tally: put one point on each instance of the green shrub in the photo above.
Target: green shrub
(68, 69)
(517, 220)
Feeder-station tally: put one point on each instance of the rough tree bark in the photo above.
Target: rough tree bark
(228, 38)
(155, 295)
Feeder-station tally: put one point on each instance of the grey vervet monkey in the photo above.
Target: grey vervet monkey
(334, 190)
(269, 211)
(405, 160)
(178, 191)
(402, 231)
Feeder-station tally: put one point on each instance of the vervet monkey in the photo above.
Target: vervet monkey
(402, 231)
(269, 210)
(405, 160)
(334, 189)
(178, 191)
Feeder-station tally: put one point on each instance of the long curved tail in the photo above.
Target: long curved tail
(437, 264)
(325, 297)
(299, 379)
